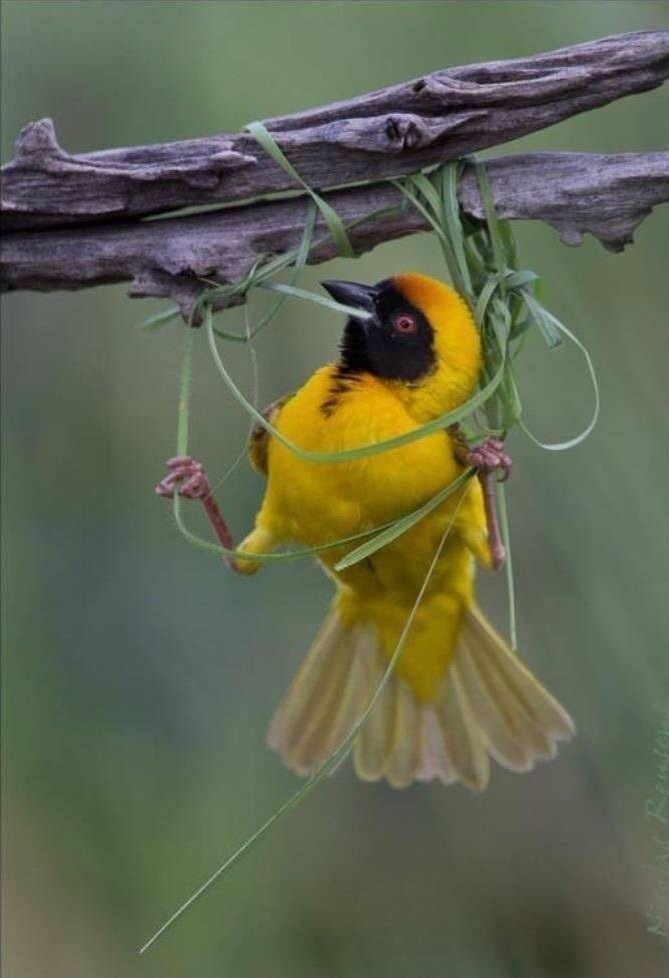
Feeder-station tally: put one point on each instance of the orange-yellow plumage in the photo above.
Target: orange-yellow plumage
(431, 720)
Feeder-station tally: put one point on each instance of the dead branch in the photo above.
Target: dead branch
(396, 130)
(74, 221)
(577, 193)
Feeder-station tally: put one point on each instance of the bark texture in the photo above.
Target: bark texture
(72, 221)
(576, 193)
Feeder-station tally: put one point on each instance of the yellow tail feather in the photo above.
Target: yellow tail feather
(489, 703)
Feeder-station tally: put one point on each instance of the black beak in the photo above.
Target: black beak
(352, 294)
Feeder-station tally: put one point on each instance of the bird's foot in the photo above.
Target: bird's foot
(187, 478)
(488, 458)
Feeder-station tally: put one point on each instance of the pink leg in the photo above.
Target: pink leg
(487, 458)
(187, 477)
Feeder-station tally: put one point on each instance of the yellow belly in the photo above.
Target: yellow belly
(312, 503)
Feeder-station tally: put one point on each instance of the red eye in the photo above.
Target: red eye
(405, 324)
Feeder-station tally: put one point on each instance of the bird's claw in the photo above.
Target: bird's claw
(186, 477)
(489, 456)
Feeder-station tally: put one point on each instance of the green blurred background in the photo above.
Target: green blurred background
(139, 676)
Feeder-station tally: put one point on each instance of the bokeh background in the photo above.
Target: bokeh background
(139, 676)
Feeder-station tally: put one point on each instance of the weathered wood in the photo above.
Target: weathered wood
(577, 193)
(393, 131)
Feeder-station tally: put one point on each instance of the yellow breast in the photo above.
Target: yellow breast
(318, 501)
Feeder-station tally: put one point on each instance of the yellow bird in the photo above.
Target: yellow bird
(458, 693)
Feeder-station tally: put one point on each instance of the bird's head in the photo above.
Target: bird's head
(415, 333)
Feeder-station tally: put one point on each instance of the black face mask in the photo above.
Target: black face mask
(392, 339)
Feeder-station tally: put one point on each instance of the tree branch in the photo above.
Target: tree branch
(607, 196)
(390, 132)
(74, 221)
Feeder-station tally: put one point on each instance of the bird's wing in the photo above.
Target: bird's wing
(459, 443)
(259, 440)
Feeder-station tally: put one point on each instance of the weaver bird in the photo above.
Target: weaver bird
(458, 692)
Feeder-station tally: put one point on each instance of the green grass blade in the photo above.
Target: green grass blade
(508, 241)
(184, 394)
(424, 185)
(514, 280)
(431, 218)
(160, 319)
(508, 562)
(485, 295)
(562, 446)
(219, 551)
(450, 209)
(499, 250)
(333, 221)
(403, 524)
(512, 407)
(300, 260)
(543, 319)
(321, 300)
(255, 373)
